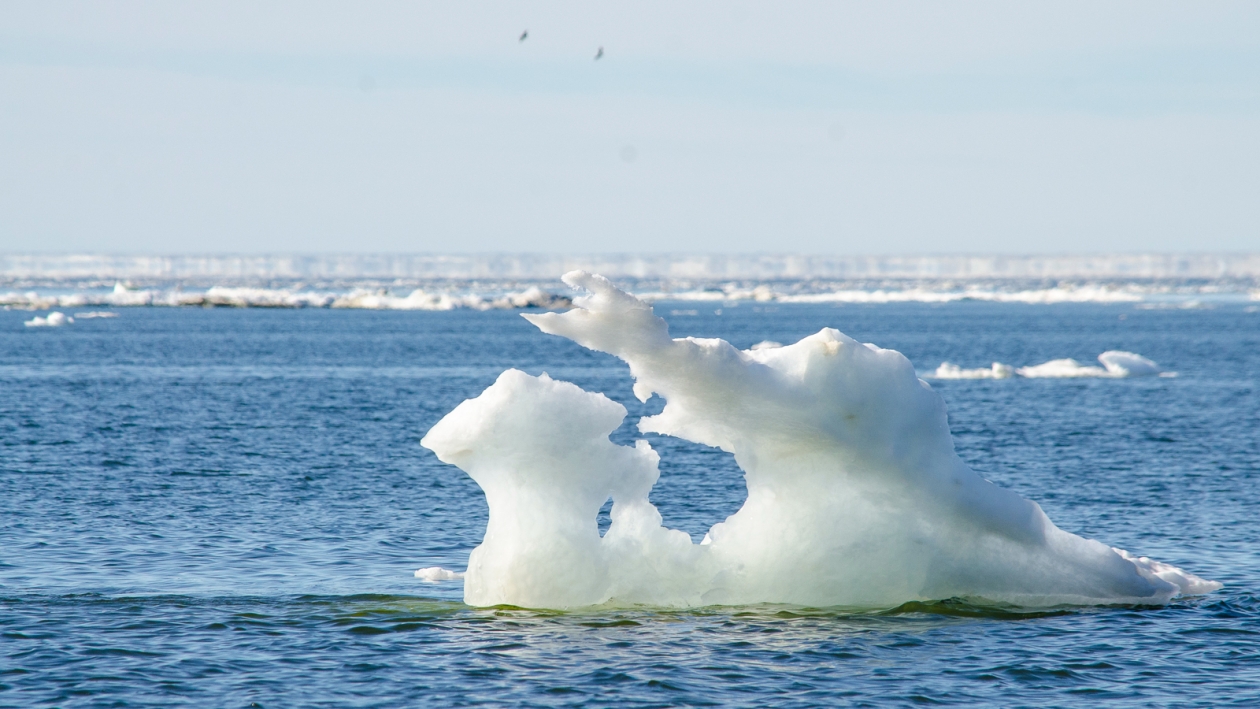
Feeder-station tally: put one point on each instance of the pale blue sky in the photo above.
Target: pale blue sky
(811, 127)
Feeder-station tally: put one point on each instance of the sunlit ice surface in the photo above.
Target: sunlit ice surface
(856, 497)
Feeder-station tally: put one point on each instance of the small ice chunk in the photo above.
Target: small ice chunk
(434, 574)
(1116, 364)
(1062, 369)
(54, 319)
(952, 371)
(1127, 364)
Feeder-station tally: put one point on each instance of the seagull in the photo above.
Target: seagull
(599, 54)
(523, 36)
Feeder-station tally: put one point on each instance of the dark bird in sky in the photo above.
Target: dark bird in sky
(600, 53)
(523, 36)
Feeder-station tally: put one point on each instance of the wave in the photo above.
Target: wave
(856, 497)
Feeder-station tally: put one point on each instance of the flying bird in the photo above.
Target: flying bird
(599, 54)
(523, 36)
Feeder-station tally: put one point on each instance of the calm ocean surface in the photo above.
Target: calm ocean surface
(224, 508)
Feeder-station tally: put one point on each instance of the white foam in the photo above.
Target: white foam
(855, 495)
(95, 314)
(435, 574)
(54, 319)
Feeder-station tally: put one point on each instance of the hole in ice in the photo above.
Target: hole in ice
(699, 486)
(604, 517)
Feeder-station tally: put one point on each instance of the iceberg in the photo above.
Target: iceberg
(856, 497)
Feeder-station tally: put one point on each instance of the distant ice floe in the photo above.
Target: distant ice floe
(533, 297)
(249, 297)
(952, 371)
(54, 319)
(1116, 364)
(765, 293)
(511, 294)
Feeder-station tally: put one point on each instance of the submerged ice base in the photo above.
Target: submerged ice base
(856, 497)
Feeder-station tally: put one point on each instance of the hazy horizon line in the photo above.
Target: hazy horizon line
(684, 265)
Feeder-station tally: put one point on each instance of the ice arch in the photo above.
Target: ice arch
(856, 497)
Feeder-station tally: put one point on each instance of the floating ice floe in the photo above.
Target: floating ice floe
(434, 574)
(54, 319)
(856, 497)
(952, 371)
(533, 297)
(509, 293)
(246, 297)
(764, 293)
(1116, 364)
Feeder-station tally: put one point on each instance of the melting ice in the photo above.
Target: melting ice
(856, 497)
(1116, 364)
(53, 319)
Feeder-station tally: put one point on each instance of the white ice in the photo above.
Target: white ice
(1115, 363)
(952, 371)
(434, 574)
(250, 297)
(856, 497)
(54, 319)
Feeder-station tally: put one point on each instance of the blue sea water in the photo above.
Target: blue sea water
(224, 508)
